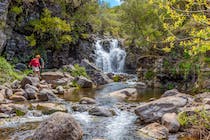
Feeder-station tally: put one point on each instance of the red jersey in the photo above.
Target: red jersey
(35, 62)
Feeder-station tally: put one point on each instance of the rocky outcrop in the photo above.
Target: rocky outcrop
(3, 17)
(52, 76)
(96, 75)
(59, 126)
(46, 94)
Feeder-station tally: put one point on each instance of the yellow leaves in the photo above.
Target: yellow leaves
(167, 49)
(170, 39)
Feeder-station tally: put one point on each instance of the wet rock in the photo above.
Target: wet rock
(83, 82)
(170, 121)
(52, 76)
(20, 66)
(20, 94)
(60, 90)
(29, 80)
(155, 131)
(59, 126)
(46, 94)
(99, 111)
(81, 107)
(171, 92)
(15, 84)
(128, 93)
(154, 110)
(96, 75)
(49, 108)
(17, 98)
(86, 100)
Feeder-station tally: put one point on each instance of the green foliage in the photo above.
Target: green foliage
(19, 112)
(31, 40)
(17, 10)
(149, 75)
(78, 71)
(7, 73)
(50, 31)
(198, 118)
(170, 86)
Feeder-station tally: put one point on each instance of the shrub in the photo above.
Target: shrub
(78, 71)
(197, 121)
(7, 73)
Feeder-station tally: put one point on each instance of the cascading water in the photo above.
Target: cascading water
(111, 59)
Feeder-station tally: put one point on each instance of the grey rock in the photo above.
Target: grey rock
(83, 82)
(29, 80)
(96, 75)
(171, 92)
(60, 90)
(46, 94)
(170, 121)
(154, 110)
(59, 126)
(99, 111)
(155, 131)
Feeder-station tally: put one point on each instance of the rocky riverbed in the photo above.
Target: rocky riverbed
(116, 111)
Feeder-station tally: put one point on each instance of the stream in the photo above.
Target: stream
(119, 127)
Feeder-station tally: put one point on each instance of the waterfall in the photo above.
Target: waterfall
(110, 59)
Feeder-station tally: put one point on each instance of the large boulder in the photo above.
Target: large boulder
(154, 110)
(59, 126)
(154, 131)
(97, 76)
(50, 77)
(83, 82)
(29, 80)
(170, 121)
(123, 94)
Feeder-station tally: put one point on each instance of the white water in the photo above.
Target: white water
(111, 60)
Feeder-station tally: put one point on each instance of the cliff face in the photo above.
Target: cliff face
(16, 17)
(3, 17)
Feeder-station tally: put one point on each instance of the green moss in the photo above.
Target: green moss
(31, 40)
(197, 118)
(116, 78)
(17, 10)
